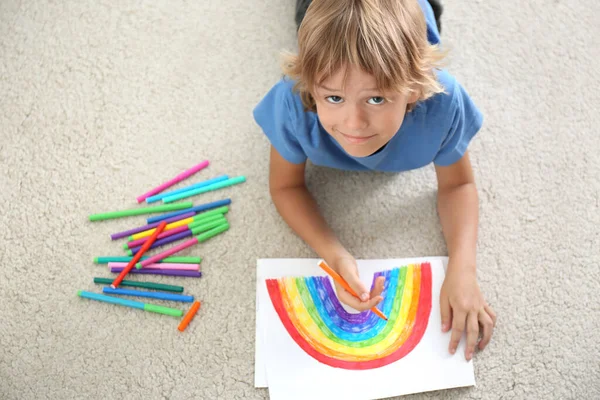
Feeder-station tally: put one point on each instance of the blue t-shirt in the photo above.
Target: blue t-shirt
(437, 130)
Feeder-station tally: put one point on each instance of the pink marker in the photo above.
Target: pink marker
(161, 266)
(196, 239)
(178, 178)
(158, 257)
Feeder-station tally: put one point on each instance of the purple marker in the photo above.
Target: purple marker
(123, 234)
(165, 240)
(190, 274)
(209, 224)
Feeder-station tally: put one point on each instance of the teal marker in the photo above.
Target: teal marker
(160, 196)
(152, 295)
(209, 188)
(130, 303)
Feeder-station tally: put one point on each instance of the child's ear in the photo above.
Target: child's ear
(413, 97)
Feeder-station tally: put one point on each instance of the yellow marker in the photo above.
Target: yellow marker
(170, 226)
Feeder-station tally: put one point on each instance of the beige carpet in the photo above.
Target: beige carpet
(101, 101)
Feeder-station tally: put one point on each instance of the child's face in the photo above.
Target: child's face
(361, 118)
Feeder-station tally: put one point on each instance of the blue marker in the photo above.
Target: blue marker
(160, 196)
(130, 303)
(200, 208)
(152, 295)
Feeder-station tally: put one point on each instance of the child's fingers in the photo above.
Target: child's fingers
(446, 313)
(458, 327)
(353, 280)
(487, 326)
(349, 300)
(377, 287)
(491, 313)
(373, 302)
(355, 303)
(472, 334)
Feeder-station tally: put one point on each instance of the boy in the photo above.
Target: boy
(365, 93)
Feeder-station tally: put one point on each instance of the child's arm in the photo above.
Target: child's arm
(299, 209)
(462, 304)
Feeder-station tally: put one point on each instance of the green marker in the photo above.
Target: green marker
(206, 220)
(199, 219)
(131, 303)
(173, 312)
(196, 239)
(181, 260)
(208, 225)
(216, 211)
(139, 211)
(213, 232)
(196, 218)
(147, 285)
(209, 188)
(204, 226)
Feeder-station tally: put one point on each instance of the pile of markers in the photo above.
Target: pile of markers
(184, 223)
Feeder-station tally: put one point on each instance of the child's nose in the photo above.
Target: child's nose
(356, 120)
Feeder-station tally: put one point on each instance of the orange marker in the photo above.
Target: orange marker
(345, 285)
(138, 255)
(188, 317)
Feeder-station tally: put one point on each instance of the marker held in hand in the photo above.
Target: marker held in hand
(345, 285)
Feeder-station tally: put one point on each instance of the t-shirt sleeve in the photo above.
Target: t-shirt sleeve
(464, 123)
(433, 35)
(276, 117)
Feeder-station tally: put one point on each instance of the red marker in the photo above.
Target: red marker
(138, 255)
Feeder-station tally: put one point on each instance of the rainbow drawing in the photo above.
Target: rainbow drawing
(317, 322)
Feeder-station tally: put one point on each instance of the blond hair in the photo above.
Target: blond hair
(385, 38)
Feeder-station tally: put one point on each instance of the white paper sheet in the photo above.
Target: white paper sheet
(290, 373)
(260, 368)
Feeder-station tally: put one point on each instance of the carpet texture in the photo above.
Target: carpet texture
(101, 101)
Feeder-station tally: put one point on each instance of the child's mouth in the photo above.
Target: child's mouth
(357, 139)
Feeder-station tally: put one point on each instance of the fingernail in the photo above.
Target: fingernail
(453, 350)
(444, 327)
(364, 297)
(469, 355)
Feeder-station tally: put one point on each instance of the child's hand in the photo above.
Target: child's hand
(464, 308)
(346, 267)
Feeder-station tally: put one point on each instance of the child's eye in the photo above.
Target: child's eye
(334, 99)
(376, 100)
